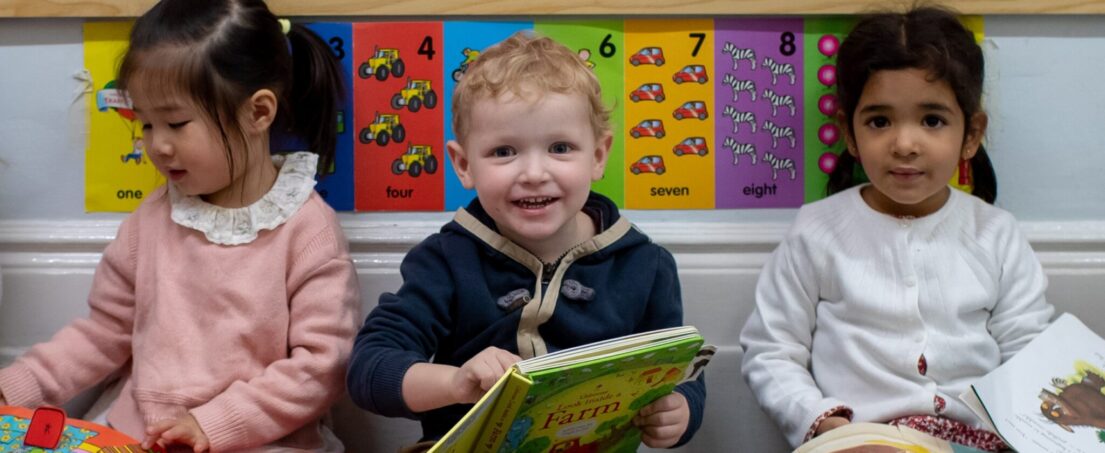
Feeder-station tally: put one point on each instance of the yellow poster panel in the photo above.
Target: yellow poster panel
(669, 100)
(117, 173)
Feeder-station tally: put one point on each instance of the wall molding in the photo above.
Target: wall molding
(376, 244)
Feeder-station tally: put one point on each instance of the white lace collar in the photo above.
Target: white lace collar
(234, 226)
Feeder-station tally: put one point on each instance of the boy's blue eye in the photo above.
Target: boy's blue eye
(560, 148)
(502, 151)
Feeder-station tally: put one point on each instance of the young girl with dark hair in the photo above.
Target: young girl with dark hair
(227, 301)
(887, 299)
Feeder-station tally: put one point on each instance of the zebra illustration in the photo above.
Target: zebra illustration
(739, 85)
(778, 100)
(739, 148)
(778, 69)
(778, 132)
(739, 117)
(780, 164)
(739, 54)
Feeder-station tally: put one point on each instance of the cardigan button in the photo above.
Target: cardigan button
(938, 404)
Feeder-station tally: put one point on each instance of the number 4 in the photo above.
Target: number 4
(427, 48)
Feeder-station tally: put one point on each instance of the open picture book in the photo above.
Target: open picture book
(1050, 397)
(582, 398)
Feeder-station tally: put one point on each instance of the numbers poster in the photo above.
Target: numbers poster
(722, 113)
(117, 173)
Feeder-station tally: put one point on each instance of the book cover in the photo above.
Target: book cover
(1049, 397)
(581, 399)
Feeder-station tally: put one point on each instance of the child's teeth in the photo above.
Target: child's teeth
(534, 202)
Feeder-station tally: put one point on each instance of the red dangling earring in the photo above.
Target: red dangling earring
(965, 172)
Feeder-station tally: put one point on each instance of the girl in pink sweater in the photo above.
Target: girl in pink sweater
(227, 301)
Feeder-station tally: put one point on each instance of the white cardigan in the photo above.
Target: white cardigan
(852, 298)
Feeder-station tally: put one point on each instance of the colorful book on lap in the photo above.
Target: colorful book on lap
(24, 430)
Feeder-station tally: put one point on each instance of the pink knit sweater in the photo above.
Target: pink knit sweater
(252, 340)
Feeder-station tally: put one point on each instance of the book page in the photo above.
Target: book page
(465, 434)
(874, 438)
(1048, 398)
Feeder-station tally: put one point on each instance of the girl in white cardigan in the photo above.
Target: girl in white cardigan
(887, 299)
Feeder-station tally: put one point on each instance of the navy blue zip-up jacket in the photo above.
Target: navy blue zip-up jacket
(455, 302)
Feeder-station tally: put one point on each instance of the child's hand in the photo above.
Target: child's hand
(479, 373)
(830, 423)
(183, 431)
(664, 421)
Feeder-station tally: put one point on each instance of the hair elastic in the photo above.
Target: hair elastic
(285, 25)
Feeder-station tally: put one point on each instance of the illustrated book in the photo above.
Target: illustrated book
(580, 399)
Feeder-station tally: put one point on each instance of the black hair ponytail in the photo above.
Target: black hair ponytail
(317, 87)
(984, 179)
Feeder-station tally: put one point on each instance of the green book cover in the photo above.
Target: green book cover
(580, 399)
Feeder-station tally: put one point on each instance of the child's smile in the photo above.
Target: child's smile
(535, 203)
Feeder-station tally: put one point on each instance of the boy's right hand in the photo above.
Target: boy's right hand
(479, 373)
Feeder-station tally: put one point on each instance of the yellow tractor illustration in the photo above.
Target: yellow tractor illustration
(385, 127)
(381, 63)
(416, 94)
(416, 159)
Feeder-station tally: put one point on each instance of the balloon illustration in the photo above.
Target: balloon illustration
(827, 75)
(828, 133)
(113, 99)
(827, 104)
(828, 45)
(827, 162)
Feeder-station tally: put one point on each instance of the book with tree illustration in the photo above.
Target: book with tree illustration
(580, 399)
(1049, 397)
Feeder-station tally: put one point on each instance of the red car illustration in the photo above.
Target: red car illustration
(648, 128)
(691, 145)
(648, 92)
(691, 109)
(691, 73)
(648, 164)
(648, 55)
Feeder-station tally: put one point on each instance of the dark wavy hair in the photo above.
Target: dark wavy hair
(926, 37)
(218, 53)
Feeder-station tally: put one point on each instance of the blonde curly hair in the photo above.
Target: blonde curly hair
(526, 65)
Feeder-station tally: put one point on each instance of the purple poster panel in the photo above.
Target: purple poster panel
(758, 87)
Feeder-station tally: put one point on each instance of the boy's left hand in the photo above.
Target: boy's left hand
(664, 421)
(182, 431)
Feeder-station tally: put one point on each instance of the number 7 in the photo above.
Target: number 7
(698, 45)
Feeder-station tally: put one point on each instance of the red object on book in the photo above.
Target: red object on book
(46, 427)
